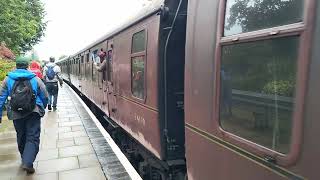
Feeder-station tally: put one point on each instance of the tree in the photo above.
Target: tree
(21, 24)
(249, 15)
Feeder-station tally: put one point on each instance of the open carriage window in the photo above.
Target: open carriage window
(137, 83)
(138, 55)
(259, 49)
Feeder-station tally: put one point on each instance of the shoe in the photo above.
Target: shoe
(54, 108)
(49, 108)
(29, 170)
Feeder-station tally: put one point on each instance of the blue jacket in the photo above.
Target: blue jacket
(37, 86)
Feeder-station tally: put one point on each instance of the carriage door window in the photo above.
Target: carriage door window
(81, 66)
(138, 56)
(87, 69)
(259, 53)
(109, 64)
(95, 58)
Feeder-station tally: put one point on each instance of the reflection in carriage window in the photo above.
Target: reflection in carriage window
(137, 77)
(250, 15)
(257, 81)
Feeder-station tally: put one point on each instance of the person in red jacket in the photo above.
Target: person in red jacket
(36, 69)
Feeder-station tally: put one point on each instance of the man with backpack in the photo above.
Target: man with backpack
(51, 73)
(27, 98)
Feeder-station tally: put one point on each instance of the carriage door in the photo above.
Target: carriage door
(105, 80)
(111, 93)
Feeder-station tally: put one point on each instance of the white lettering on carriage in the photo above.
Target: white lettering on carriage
(140, 119)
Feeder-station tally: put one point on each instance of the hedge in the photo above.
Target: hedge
(5, 67)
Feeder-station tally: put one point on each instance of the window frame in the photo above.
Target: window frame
(304, 30)
(81, 60)
(139, 54)
(108, 72)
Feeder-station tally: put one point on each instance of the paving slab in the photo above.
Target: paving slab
(72, 134)
(83, 174)
(75, 150)
(88, 160)
(46, 154)
(48, 176)
(56, 165)
(65, 143)
(81, 140)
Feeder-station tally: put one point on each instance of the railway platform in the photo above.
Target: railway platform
(73, 146)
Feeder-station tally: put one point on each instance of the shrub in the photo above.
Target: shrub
(5, 67)
(280, 87)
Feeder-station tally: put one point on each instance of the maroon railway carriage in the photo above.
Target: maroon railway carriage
(141, 91)
(250, 93)
(252, 89)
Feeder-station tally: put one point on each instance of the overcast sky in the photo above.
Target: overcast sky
(73, 24)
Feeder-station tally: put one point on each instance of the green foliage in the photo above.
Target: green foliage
(259, 14)
(21, 23)
(5, 67)
(282, 88)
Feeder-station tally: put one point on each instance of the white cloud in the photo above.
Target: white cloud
(73, 24)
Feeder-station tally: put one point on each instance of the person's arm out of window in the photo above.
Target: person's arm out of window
(102, 67)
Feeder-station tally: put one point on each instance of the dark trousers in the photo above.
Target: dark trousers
(28, 137)
(53, 100)
(53, 90)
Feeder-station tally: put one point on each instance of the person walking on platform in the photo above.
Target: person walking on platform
(35, 67)
(27, 98)
(52, 76)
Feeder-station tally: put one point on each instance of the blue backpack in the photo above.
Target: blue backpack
(50, 73)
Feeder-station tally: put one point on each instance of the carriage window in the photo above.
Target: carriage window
(94, 56)
(94, 75)
(137, 77)
(258, 74)
(138, 42)
(87, 67)
(257, 90)
(250, 15)
(78, 66)
(87, 57)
